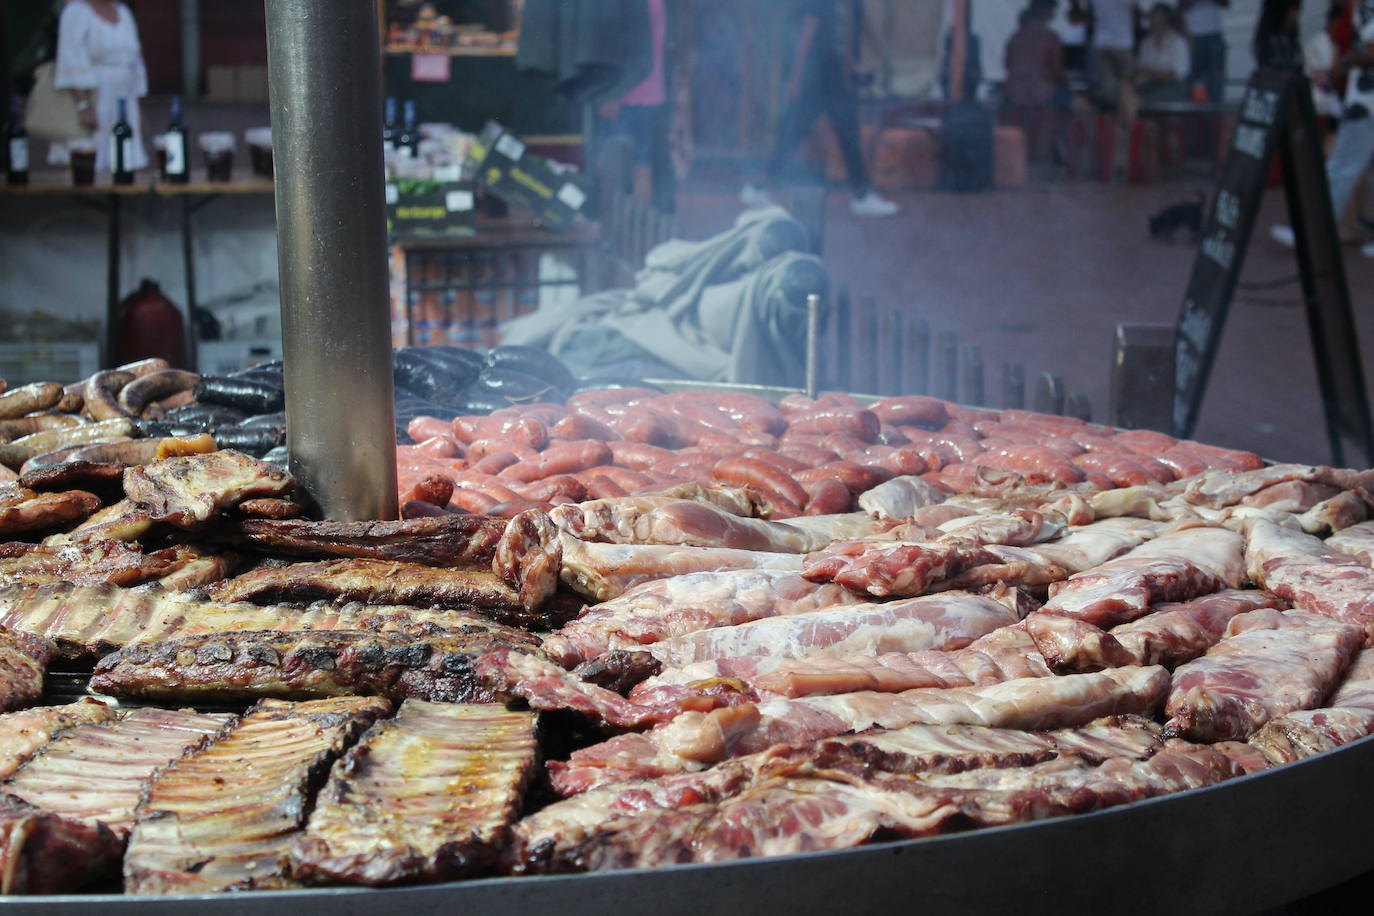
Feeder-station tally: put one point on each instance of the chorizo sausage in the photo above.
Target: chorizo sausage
(435, 489)
(638, 455)
(422, 428)
(579, 426)
(549, 488)
(520, 430)
(560, 459)
(28, 399)
(142, 391)
(441, 447)
(474, 501)
(781, 462)
(912, 410)
(828, 497)
(495, 462)
(745, 472)
(856, 422)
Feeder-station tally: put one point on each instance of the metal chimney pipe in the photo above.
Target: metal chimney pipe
(324, 64)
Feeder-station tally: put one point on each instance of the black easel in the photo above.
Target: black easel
(1276, 115)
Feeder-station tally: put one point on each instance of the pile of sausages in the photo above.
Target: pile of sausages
(803, 456)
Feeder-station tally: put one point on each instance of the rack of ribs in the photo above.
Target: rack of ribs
(682, 522)
(605, 571)
(90, 621)
(23, 662)
(1304, 570)
(95, 773)
(425, 796)
(23, 733)
(191, 491)
(1269, 663)
(1346, 717)
(320, 663)
(191, 835)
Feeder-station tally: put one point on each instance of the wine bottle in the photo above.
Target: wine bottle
(17, 172)
(408, 141)
(178, 169)
(389, 126)
(122, 147)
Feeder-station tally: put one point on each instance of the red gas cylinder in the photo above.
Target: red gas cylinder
(150, 325)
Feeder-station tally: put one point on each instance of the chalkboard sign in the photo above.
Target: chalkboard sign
(1276, 115)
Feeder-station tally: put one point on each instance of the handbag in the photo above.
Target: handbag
(50, 113)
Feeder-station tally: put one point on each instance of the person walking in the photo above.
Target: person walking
(820, 82)
(1111, 47)
(1203, 19)
(1353, 149)
(100, 61)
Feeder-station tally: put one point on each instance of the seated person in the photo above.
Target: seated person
(1163, 59)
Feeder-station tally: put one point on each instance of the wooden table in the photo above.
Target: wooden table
(109, 199)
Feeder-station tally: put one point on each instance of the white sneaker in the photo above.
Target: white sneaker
(754, 197)
(1283, 235)
(872, 205)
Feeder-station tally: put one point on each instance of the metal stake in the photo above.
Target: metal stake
(326, 96)
(813, 342)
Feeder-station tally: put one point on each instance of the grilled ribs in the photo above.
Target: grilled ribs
(23, 661)
(23, 510)
(23, 733)
(453, 540)
(192, 490)
(86, 621)
(110, 561)
(322, 663)
(426, 796)
(223, 818)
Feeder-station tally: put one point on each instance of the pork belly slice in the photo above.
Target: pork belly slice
(1347, 716)
(23, 662)
(426, 796)
(22, 734)
(95, 773)
(1268, 664)
(654, 520)
(191, 491)
(1171, 634)
(666, 608)
(321, 663)
(694, 739)
(23, 510)
(949, 620)
(605, 571)
(223, 818)
(781, 816)
(45, 853)
(1304, 570)
(1172, 567)
(1355, 540)
(112, 561)
(89, 621)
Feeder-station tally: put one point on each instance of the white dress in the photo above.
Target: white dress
(93, 53)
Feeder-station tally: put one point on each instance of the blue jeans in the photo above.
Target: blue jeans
(1350, 156)
(1209, 65)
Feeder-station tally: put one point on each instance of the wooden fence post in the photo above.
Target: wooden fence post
(1142, 385)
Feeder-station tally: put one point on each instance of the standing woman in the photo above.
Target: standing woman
(100, 61)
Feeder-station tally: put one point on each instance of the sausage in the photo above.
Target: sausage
(912, 410)
(781, 462)
(481, 448)
(520, 430)
(637, 455)
(857, 478)
(776, 506)
(418, 508)
(605, 396)
(435, 489)
(746, 472)
(808, 453)
(142, 391)
(102, 390)
(422, 428)
(1037, 463)
(599, 486)
(639, 424)
(692, 432)
(142, 367)
(29, 399)
(560, 459)
(25, 426)
(496, 462)
(627, 479)
(512, 508)
(852, 421)
(828, 497)
(1120, 470)
(908, 459)
(796, 403)
(844, 445)
(73, 398)
(891, 435)
(1145, 441)
(442, 447)
(474, 501)
(172, 402)
(748, 410)
(564, 485)
(695, 468)
(579, 426)
(1181, 461)
(240, 393)
(20, 450)
(1227, 458)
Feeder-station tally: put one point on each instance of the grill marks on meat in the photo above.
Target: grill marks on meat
(685, 604)
(426, 796)
(45, 853)
(191, 491)
(694, 739)
(23, 662)
(301, 665)
(23, 733)
(1269, 664)
(95, 773)
(1302, 569)
(950, 620)
(452, 540)
(375, 582)
(224, 817)
(23, 510)
(1172, 567)
(99, 561)
(87, 621)
(683, 522)
(605, 571)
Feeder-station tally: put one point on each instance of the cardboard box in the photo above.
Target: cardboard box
(500, 162)
(429, 208)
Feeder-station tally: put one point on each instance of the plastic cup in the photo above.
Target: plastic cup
(82, 153)
(218, 149)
